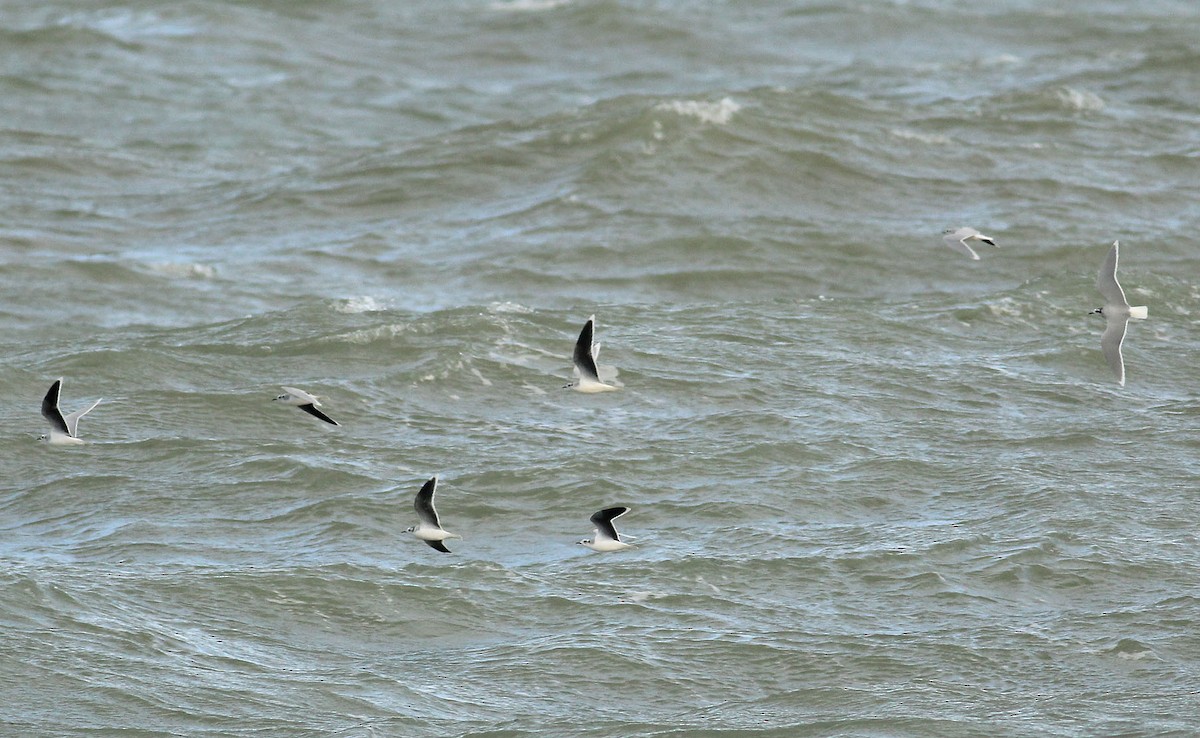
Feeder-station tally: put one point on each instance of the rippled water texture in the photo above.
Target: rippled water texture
(877, 489)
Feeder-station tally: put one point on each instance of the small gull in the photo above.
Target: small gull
(306, 402)
(429, 529)
(606, 537)
(956, 238)
(586, 353)
(63, 428)
(1116, 311)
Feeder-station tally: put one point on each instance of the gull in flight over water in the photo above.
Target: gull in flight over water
(429, 529)
(1116, 311)
(584, 358)
(956, 238)
(606, 537)
(306, 402)
(63, 428)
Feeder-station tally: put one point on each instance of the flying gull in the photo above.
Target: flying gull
(1116, 311)
(306, 402)
(956, 238)
(586, 353)
(606, 537)
(430, 529)
(63, 428)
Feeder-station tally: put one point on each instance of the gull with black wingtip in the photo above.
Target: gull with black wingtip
(306, 402)
(429, 529)
(64, 429)
(586, 352)
(956, 238)
(606, 537)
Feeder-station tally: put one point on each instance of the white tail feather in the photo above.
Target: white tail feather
(1138, 312)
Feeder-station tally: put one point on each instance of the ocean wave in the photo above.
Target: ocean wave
(527, 6)
(717, 113)
(361, 304)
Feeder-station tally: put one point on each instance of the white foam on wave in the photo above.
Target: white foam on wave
(362, 304)
(716, 113)
(1080, 100)
(445, 372)
(509, 307)
(479, 375)
(968, 63)
(1005, 307)
(130, 25)
(251, 82)
(178, 270)
(369, 335)
(925, 138)
(527, 6)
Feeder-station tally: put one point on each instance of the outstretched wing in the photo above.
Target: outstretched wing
(603, 520)
(1106, 279)
(1110, 343)
(584, 358)
(423, 504)
(312, 410)
(439, 546)
(72, 419)
(50, 409)
(957, 241)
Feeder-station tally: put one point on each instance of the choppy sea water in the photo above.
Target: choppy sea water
(878, 489)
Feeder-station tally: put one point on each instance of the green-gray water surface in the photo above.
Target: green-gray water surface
(877, 489)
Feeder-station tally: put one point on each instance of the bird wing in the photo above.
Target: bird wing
(958, 241)
(50, 409)
(423, 504)
(603, 520)
(300, 394)
(439, 546)
(312, 410)
(1110, 343)
(72, 419)
(1106, 280)
(585, 361)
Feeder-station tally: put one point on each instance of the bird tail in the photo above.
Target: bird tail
(1138, 312)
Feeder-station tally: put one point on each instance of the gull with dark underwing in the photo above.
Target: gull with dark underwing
(429, 529)
(64, 429)
(306, 402)
(587, 374)
(605, 537)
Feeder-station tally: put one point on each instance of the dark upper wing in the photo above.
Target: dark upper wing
(439, 546)
(584, 361)
(312, 410)
(50, 409)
